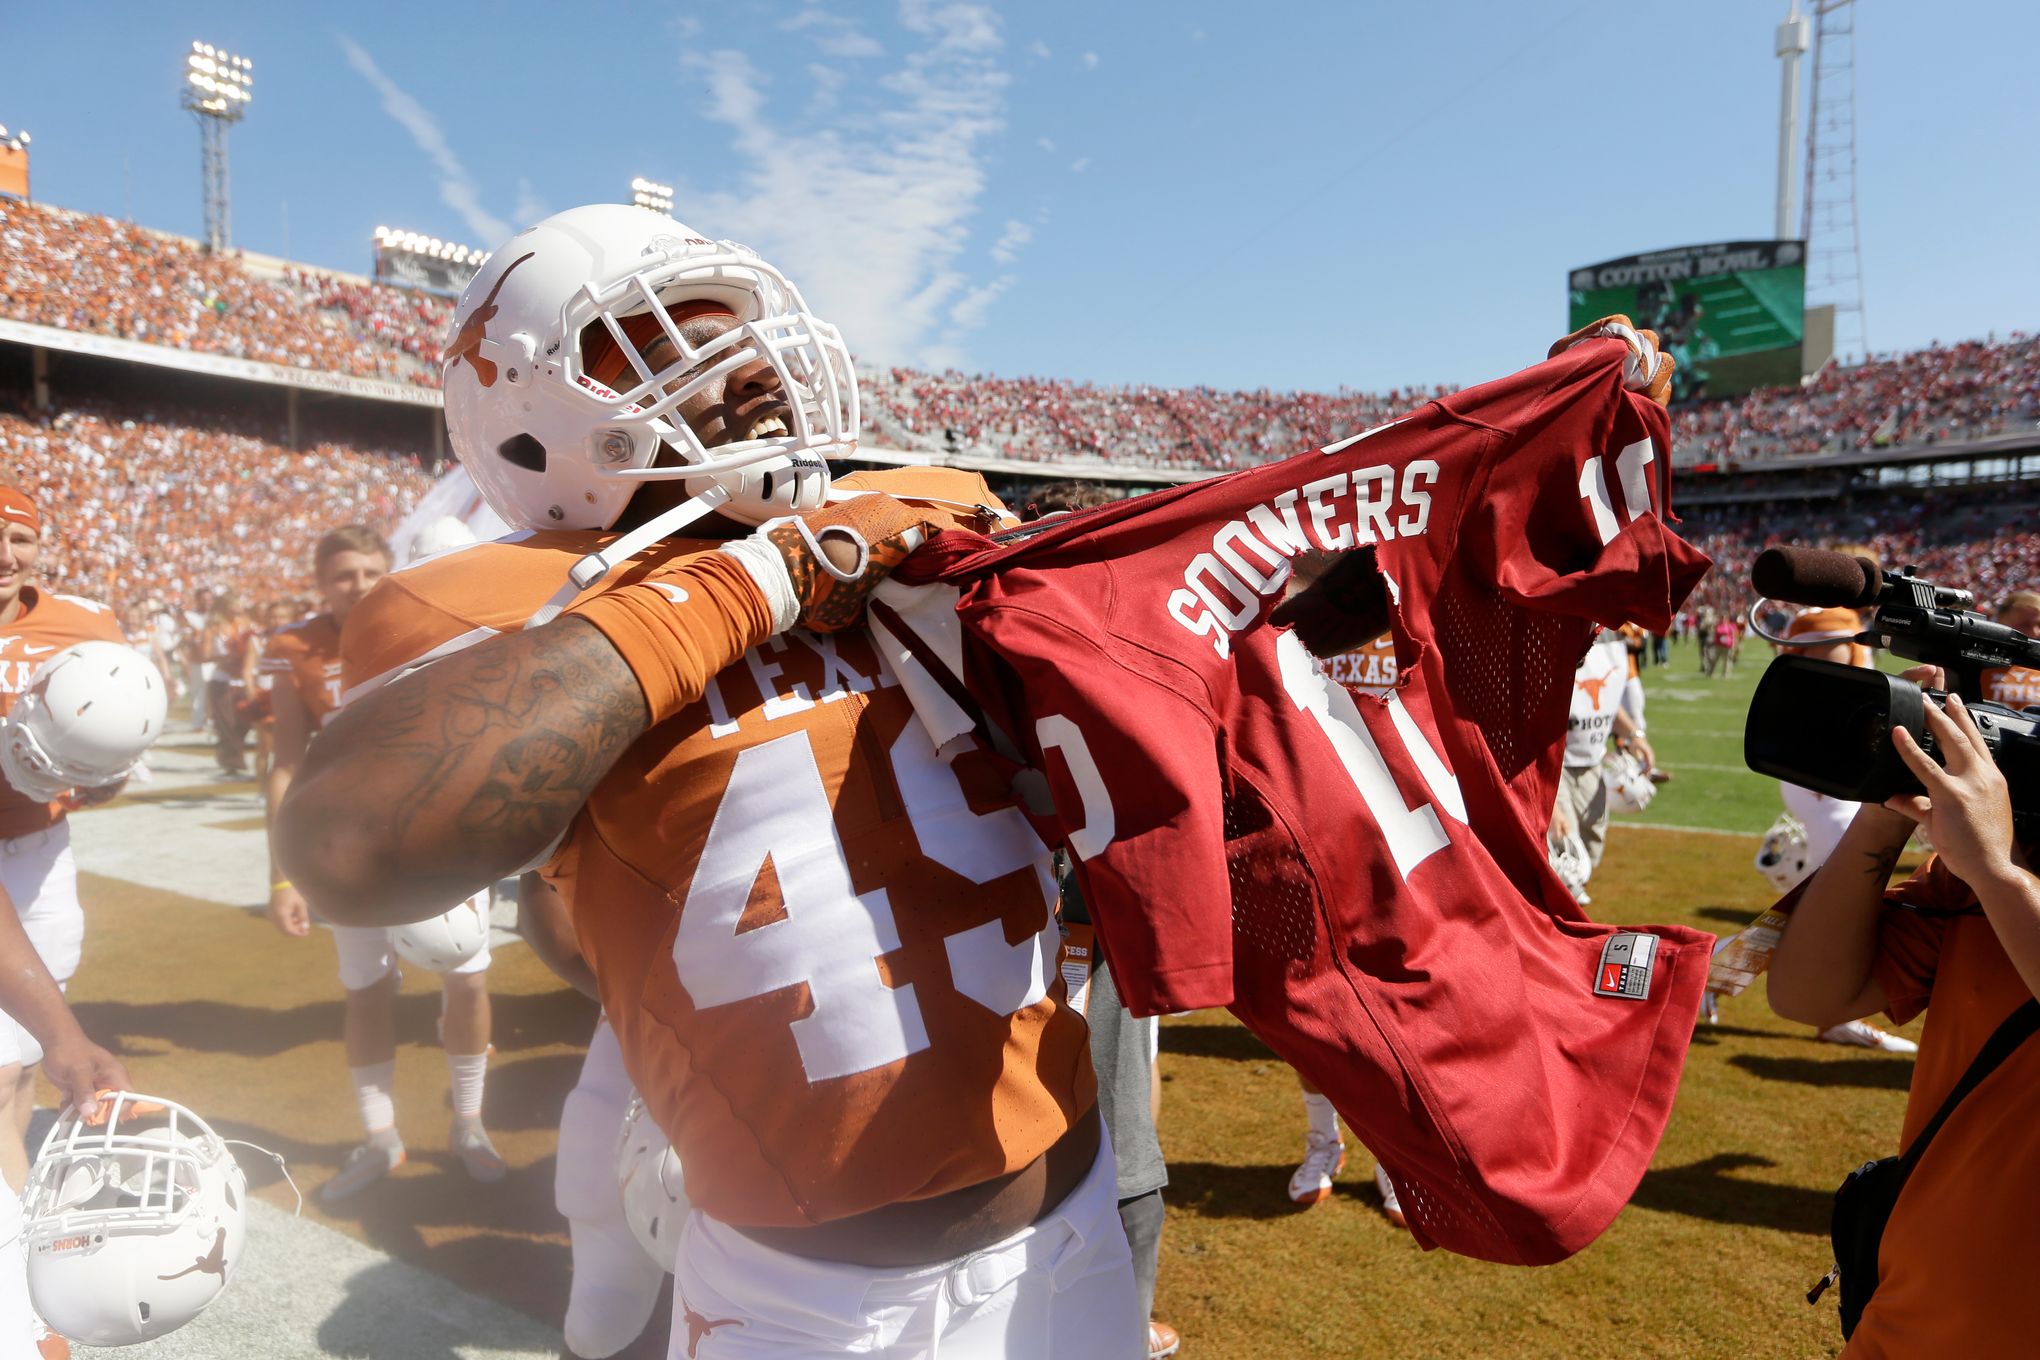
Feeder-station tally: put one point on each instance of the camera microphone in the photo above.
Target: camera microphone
(1815, 576)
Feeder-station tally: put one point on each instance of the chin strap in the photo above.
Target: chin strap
(596, 565)
(985, 513)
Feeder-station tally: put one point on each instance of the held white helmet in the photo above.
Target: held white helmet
(654, 1190)
(443, 943)
(1629, 786)
(134, 1226)
(87, 717)
(553, 445)
(1783, 859)
(1570, 861)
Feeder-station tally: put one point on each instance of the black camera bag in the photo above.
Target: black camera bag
(1865, 1200)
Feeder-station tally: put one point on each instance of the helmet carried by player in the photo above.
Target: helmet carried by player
(87, 717)
(1629, 786)
(442, 943)
(1570, 861)
(1783, 858)
(654, 1190)
(554, 444)
(134, 1225)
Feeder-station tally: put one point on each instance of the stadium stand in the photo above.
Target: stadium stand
(153, 508)
(85, 273)
(166, 501)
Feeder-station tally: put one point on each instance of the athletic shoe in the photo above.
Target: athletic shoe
(364, 1166)
(1162, 1341)
(1323, 1157)
(1390, 1205)
(1863, 1034)
(470, 1143)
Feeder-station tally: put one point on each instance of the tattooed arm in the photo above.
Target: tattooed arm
(1821, 970)
(444, 781)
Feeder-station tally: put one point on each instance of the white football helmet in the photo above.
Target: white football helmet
(1783, 858)
(1570, 861)
(87, 717)
(443, 943)
(440, 535)
(654, 1189)
(1629, 786)
(134, 1226)
(551, 446)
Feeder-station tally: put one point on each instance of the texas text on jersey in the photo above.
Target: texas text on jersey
(2012, 686)
(306, 655)
(47, 624)
(823, 951)
(1370, 667)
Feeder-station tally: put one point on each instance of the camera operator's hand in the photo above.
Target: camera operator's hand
(1967, 807)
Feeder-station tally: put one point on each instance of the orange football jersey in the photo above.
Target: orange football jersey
(47, 624)
(1370, 667)
(2013, 686)
(832, 969)
(306, 656)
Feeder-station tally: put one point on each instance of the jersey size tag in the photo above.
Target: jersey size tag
(1079, 957)
(1627, 961)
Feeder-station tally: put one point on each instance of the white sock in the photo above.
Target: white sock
(467, 1073)
(1323, 1118)
(373, 1093)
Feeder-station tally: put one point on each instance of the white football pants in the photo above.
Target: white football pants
(42, 879)
(1059, 1289)
(615, 1285)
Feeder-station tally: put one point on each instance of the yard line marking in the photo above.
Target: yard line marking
(1695, 830)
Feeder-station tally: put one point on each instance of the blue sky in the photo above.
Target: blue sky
(1241, 195)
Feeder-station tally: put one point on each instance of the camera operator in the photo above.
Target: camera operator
(1961, 935)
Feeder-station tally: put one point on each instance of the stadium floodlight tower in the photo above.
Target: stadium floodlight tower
(649, 193)
(217, 88)
(1833, 231)
(1790, 48)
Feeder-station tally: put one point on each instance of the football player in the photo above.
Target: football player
(826, 949)
(303, 663)
(37, 871)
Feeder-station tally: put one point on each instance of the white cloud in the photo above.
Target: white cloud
(1080, 165)
(1007, 248)
(1090, 61)
(1198, 35)
(834, 34)
(456, 188)
(1039, 49)
(870, 213)
(1044, 143)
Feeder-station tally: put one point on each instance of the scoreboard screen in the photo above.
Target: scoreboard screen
(1733, 314)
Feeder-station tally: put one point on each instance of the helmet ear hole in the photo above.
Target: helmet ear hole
(524, 451)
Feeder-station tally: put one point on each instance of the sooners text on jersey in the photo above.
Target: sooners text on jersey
(1363, 880)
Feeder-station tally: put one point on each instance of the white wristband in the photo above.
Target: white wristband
(768, 569)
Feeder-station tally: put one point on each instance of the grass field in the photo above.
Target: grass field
(1726, 1232)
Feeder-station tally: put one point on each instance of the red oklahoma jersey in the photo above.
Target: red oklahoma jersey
(832, 969)
(46, 625)
(1363, 880)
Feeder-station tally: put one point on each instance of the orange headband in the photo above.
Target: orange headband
(17, 508)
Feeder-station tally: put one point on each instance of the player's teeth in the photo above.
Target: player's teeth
(771, 425)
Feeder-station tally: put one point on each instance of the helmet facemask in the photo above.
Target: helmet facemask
(775, 474)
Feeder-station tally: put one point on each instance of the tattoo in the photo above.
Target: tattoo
(478, 762)
(1880, 863)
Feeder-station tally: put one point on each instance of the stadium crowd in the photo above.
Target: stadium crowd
(86, 273)
(89, 273)
(154, 508)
